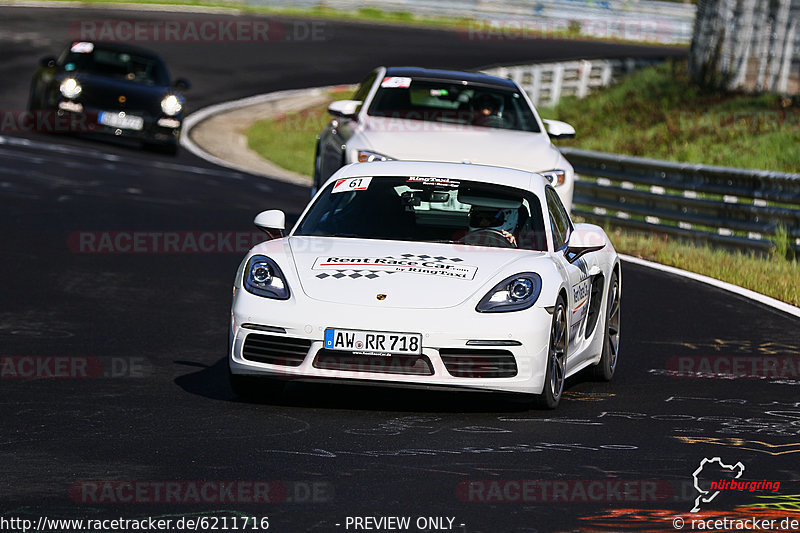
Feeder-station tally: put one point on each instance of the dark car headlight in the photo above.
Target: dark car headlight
(263, 277)
(70, 88)
(171, 105)
(514, 293)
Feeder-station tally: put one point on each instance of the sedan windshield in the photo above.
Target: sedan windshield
(427, 209)
(116, 64)
(453, 102)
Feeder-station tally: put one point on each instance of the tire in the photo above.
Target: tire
(555, 374)
(604, 369)
(317, 174)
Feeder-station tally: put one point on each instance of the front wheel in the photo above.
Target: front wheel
(604, 370)
(556, 372)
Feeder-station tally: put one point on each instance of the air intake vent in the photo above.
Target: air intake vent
(410, 365)
(275, 350)
(466, 363)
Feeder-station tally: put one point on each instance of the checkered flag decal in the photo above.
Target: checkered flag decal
(413, 257)
(355, 274)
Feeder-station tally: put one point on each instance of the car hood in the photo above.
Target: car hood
(104, 93)
(406, 274)
(433, 141)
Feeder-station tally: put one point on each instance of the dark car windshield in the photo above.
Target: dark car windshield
(124, 65)
(453, 102)
(427, 209)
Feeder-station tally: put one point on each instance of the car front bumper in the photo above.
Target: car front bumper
(518, 339)
(161, 130)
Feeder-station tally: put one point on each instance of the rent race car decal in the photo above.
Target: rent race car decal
(373, 267)
(580, 294)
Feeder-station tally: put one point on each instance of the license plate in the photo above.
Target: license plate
(125, 122)
(373, 342)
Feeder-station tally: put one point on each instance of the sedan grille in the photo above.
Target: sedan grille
(275, 350)
(466, 363)
(413, 365)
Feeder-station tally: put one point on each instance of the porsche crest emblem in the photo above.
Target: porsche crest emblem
(381, 297)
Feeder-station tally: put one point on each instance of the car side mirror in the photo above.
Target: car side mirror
(270, 221)
(585, 238)
(559, 130)
(48, 61)
(182, 84)
(344, 108)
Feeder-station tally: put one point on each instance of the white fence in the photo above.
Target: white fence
(547, 83)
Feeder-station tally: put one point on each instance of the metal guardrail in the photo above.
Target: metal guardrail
(730, 206)
(547, 83)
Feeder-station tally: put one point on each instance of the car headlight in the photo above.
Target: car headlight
(263, 277)
(365, 156)
(70, 88)
(555, 177)
(514, 293)
(170, 105)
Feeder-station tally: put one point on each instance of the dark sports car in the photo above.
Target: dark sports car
(114, 89)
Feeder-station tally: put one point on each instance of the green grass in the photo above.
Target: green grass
(656, 112)
(289, 140)
(772, 275)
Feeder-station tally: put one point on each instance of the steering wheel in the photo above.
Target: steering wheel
(487, 237)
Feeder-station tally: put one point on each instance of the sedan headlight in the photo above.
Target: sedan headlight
(365, 156)
(70, 88)
(263, 277)
(170, 105)
(555, 177)
(514, 293)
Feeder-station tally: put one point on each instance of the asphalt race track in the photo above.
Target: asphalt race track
(146, 425)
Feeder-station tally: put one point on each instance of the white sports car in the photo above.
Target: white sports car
(418, 114)
(426, 275)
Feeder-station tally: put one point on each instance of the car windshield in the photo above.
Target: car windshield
(427, 209)
(452, 102)
(117, 64)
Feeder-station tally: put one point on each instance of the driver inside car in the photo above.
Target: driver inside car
(501, 220)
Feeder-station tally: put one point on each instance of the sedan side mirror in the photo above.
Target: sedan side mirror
(585, 238)
(272, 220)
(559, 130)
(344, 108)
(48, 61)
(182, 84)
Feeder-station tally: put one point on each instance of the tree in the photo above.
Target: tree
(752, 45)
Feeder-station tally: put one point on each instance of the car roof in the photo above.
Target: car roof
(451, 75)
(520, 179)
(120, 47)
